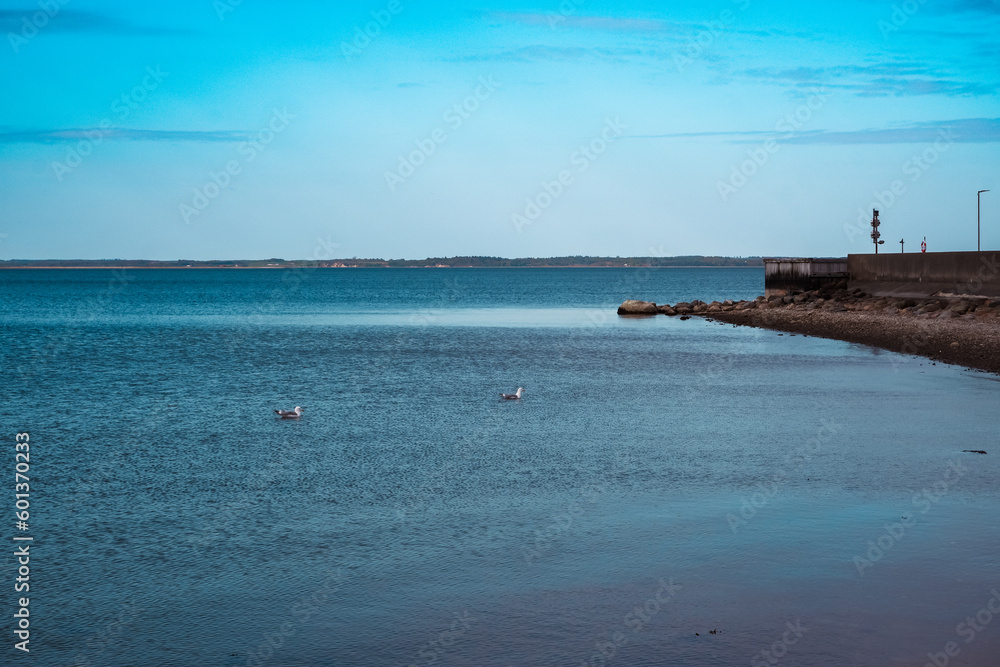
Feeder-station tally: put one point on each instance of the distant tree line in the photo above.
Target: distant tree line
(455, 262)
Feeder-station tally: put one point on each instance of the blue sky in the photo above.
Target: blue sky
(412, 128)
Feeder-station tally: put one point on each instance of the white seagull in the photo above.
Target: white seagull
(513, 397)
(289, 414)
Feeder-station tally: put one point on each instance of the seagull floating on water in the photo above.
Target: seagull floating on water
(513, 397)
(289, 414)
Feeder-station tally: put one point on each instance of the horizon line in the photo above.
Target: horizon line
(380, 259)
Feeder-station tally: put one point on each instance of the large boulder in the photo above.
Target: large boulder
(667, 310)
(633, 307)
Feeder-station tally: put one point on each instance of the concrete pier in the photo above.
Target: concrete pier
(914, 275)
(788, 275)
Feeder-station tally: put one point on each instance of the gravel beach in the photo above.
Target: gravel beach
(972, 343)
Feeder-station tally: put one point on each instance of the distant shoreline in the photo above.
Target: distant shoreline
(568, 262)
(292, 266)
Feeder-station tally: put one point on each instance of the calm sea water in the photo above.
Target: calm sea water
(659, 481)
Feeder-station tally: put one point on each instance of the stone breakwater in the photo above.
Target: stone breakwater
(958, 331)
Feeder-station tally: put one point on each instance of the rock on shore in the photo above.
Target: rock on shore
(632, 307)
(958, 331)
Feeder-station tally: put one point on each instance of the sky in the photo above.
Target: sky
(230, 129)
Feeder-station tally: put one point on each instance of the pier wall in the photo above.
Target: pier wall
(784, 275)
(945, 274)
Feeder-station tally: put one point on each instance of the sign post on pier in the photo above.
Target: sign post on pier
(979, 245)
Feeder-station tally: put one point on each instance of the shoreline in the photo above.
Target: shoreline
(973, 344)
(964, 332)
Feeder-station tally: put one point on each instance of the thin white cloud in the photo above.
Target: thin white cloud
(882, 80)
(963, 130)
(70, 20)
(975, 6)
(118, 134)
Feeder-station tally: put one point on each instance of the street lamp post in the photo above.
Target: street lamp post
(978, 232)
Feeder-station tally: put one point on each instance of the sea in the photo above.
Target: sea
(666, 492)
